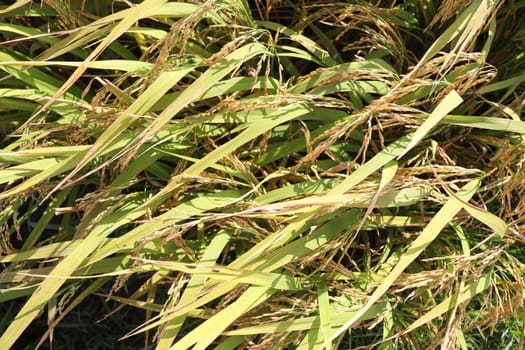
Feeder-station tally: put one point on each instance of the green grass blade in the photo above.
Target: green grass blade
(451, 101)
(207, 332)
(431, 231)
(192, 290)
(488, 123)
(323, 300)
(322, 55)
(466, 293)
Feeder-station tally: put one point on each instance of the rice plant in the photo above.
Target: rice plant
(262, 175)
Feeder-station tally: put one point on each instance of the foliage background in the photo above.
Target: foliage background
(268, 174)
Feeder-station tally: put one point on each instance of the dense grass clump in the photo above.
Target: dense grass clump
(262, 175)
